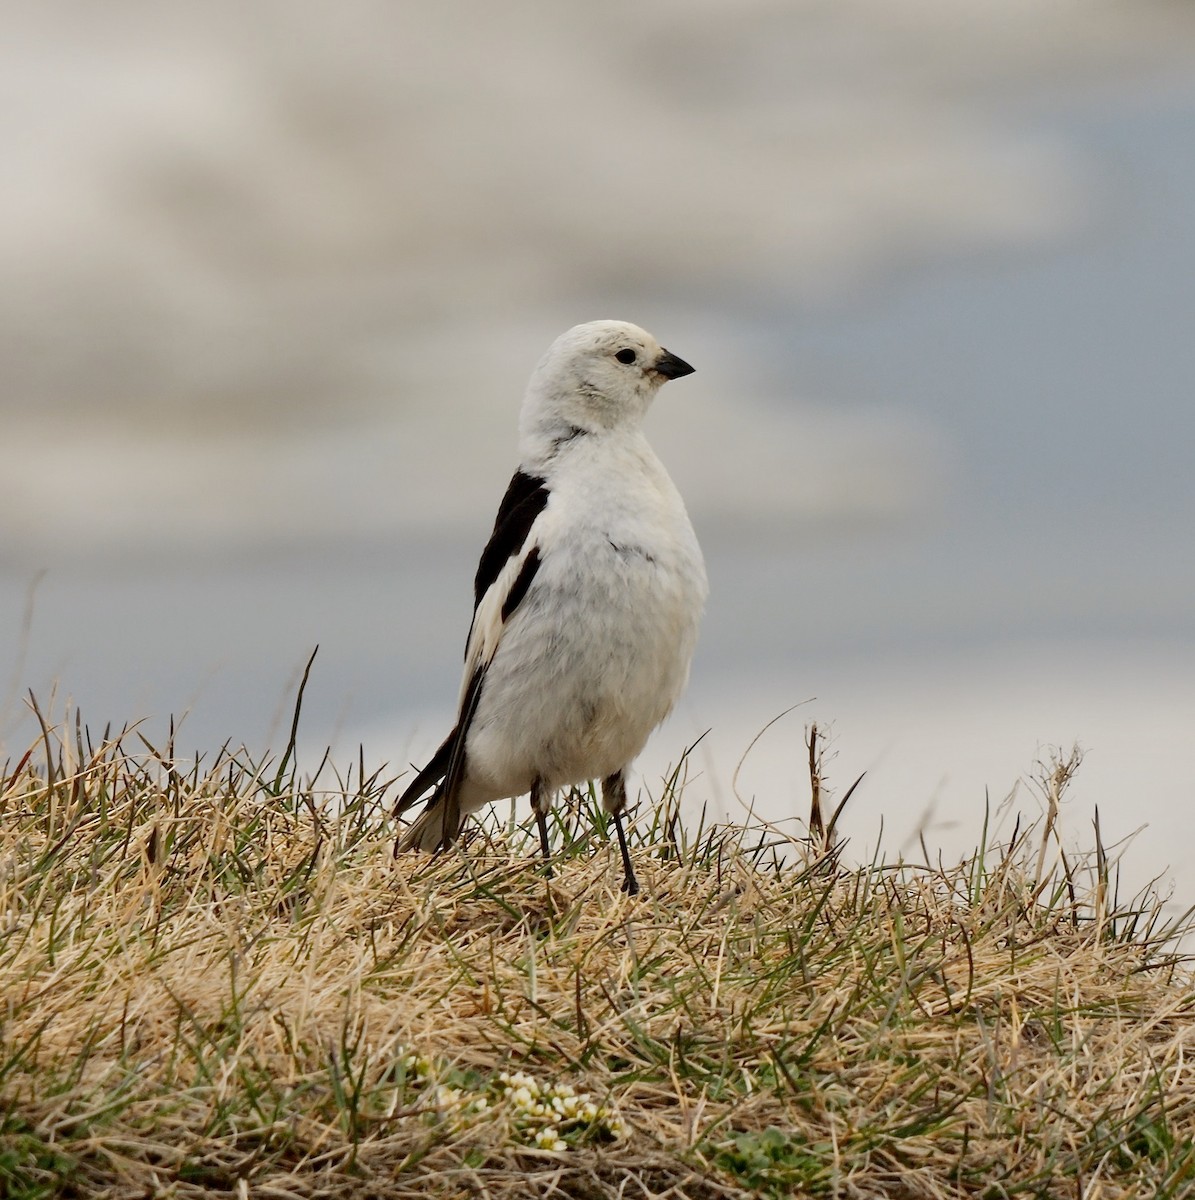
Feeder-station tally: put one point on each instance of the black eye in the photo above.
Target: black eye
(626, 356)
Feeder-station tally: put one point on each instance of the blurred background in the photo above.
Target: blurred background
(274, 277)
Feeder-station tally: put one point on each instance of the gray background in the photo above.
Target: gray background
(275, 275)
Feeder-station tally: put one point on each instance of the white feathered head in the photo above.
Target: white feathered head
(598, 376)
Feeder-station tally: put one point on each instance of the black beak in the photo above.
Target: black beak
(672, 367)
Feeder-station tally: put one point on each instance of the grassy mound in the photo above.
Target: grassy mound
(215, 981)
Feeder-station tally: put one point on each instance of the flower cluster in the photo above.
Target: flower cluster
(552, 1112)
(420, 1070)
(547, 1116)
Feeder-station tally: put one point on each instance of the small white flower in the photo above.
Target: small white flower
(549, 1139)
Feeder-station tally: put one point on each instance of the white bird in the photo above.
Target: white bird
(587, 598)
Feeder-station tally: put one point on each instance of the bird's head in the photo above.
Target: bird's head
(596, 377)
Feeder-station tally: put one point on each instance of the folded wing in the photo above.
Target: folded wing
(504, 576)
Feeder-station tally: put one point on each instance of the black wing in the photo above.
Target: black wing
(525, 499)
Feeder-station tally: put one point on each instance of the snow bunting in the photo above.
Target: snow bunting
(586, 601)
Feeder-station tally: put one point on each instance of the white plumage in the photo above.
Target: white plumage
(587, 599)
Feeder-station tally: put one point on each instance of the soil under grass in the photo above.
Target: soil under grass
(219, 980)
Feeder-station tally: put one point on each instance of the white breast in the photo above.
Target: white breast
(599, 651)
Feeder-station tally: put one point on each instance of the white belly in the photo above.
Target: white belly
(591, 662)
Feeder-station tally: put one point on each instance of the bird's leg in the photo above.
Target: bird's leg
(630, 884)
(614, 799)
(541, 800)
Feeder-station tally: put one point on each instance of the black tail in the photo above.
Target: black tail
(428, 777)
(447, 764)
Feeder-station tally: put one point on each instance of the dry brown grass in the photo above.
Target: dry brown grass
(216, 982)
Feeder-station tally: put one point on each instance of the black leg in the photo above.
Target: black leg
(539, 805)
(630, 884)
(614, 799)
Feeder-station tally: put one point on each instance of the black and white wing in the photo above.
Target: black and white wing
(504, 574)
